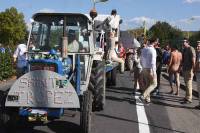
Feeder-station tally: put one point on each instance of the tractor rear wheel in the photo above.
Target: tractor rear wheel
(86, 112)
(98, 85)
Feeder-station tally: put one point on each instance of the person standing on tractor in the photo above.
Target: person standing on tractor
(113, 22)
(19, 56)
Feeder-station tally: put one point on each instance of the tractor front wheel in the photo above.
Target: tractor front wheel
(86, 112)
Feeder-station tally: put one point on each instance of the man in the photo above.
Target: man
(188, 65)
(197, 71)
(20, 56)
(137, 68)
(148, 62)
(158, 65)
(174, 68)
(166, 55)
(73, 45)
(114, 21)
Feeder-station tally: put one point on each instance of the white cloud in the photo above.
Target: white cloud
(191, 1)
(191, 23)
(46, 10)
(138, 22)
(188, 20)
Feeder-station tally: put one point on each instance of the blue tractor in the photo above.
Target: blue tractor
(65, 71)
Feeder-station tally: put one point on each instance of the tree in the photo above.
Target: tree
(12, 27)
(194, 38)
(136, 32)
(166, 33)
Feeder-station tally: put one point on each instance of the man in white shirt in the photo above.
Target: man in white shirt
(20, 56)
(148, 62)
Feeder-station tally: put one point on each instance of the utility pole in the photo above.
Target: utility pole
(145, 28)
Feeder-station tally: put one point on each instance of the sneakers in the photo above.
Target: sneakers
(143, 100)
(186, 101)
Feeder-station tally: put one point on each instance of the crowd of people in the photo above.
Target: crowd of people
(149, 60)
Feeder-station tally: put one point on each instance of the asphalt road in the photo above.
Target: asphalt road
(165, 114)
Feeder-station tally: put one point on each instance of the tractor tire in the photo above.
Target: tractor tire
(98, 85)
(86, 112)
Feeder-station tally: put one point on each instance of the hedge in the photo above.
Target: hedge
(6, 65)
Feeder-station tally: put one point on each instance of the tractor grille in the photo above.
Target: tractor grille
(41, 66)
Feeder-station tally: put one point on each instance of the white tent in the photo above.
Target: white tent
(136, 44)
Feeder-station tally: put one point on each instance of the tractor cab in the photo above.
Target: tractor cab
(59, 42)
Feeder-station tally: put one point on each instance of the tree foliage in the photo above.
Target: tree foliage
(6, 65)
(166, 33)
(194, 38)
(12, 27)
(136, 32)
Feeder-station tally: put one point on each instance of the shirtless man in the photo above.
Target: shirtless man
(174, 68)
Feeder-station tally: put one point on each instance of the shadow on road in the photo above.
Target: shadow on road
(64, 127)
(122, 89)
(170, 105)
(18, 130)
(151, 125)
(182, 86)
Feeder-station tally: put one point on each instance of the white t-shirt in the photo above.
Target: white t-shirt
(114, 21)
(20, 55)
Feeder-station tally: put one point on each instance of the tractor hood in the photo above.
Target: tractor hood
(42, 88)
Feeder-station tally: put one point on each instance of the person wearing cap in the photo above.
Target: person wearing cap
(188, 64)
(113, 22)
(19, 56)
(197, 70)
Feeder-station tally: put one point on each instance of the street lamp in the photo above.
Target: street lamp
(98, 1)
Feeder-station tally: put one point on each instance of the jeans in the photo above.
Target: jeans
(188, 77)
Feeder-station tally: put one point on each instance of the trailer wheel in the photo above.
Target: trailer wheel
(86, 112)
(98, 85)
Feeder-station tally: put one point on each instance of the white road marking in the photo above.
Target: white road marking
(142, 118)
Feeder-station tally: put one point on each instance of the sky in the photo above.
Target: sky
(183, 14)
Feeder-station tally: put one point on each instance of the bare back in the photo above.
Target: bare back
(175, 61)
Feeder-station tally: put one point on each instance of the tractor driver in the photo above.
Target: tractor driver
(73, 44)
